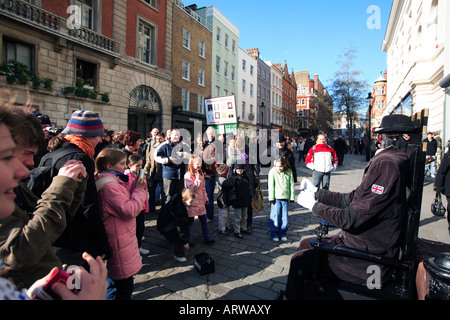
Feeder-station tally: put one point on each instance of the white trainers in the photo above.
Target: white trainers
(144, 251)
(180, 259)
(284, 239)
(275, 239)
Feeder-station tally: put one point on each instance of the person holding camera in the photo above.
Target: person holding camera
(25, 251)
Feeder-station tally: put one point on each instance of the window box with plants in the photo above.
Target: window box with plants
(85, 89)
(18, 73)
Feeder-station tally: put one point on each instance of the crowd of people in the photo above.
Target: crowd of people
(104, 183)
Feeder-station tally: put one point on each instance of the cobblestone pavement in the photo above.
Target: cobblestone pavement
(254, 267)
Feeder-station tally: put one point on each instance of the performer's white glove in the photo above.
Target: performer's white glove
(307, 185)
(306, 199)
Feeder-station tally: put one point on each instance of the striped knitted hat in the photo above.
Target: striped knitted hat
(84, 123)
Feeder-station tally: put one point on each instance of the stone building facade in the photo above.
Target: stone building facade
(122, 48)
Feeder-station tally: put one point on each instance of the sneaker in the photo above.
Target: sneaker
(284, 239)
(433, 176)
(274, 239)
(238, 235)
(144, 251)
(180, 259)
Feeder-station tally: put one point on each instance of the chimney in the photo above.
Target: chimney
(253, 53)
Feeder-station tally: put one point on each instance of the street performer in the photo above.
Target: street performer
(370, 218)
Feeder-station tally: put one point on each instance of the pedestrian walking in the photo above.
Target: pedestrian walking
(222, 200)
(301, 149)
(340, 147)
(281, 192)
(442, 182)
(322, 160)
(430, 165)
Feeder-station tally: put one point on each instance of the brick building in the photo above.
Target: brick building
(121, 49)
(191, 66)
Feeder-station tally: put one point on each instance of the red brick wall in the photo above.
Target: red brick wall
(57, 7)
(158, 18)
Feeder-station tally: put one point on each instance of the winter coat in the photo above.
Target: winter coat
(119, 211)
(371, 217)
(85, 232)
(152, 167)
(442, 182)
(173, 171)
(321, 158)
(172, 220)
(238, 190)
(26, 243)
(432, 146)
(281, 185)
(197, 184)
(131, 178)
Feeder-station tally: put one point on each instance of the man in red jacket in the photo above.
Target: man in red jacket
(322, 160)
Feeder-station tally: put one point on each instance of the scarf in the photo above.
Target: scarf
(83, 143)
(118, 174)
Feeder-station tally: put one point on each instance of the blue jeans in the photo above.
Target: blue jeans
(210, 184)
(156, 192)
(279, 218)
(321, 177)
(431, 166)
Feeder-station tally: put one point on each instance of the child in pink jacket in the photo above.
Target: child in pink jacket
(194, 180)
(134, 166)
(120, 207)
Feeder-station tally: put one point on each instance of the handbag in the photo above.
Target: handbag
(437, 208)
(258, 200)
(204, 264)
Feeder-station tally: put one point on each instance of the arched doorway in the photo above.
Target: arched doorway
(144, 112)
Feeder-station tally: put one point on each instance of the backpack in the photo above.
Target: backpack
(41, 177)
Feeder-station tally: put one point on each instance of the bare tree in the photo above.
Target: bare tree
(347, 90)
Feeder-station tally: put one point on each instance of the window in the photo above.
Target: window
(87, 13)
(20, 52)
(201, 77)
(233, 46)
(251, 89)
(186, 70)
(86, 71)
(146, 43)
(185, 99)
(152, 3)
(226, 40)
(201, 48)
(217, 91)
(217, 64)
(251, 70)
(243, 110)
(219, 35)
(233, 73)
(225, 69)
(186, 39)
(244, 85)
(244, 64)
(201, 103)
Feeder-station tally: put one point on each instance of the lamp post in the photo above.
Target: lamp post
(370, 97)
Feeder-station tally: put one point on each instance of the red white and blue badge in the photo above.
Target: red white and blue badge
(377, 189)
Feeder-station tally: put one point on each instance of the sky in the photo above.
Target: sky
(311, 35)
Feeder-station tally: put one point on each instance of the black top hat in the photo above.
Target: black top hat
(396, 123)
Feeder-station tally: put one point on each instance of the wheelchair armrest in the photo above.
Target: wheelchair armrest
(357, 254)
